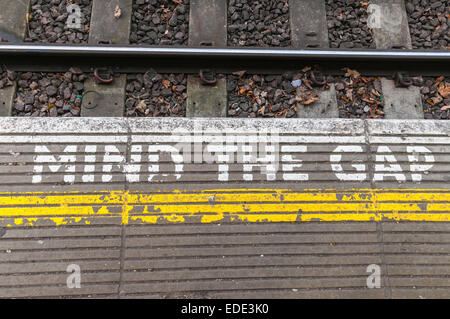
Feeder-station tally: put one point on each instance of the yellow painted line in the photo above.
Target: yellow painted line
(269, 205)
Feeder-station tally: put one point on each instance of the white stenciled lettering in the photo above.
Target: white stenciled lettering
(154, 154)
(69, 176)
(416, 151)
(112, 155)
(293, 163)
(335, 160)
(133, 169)
(89, 178)
(393, 169)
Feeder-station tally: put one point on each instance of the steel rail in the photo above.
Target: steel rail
(23, 57)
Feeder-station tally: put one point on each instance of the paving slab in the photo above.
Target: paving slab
(104, 99)
(325, 107)
(13, 19)
(107, 24)
(7, 100)
(310, 32)
(401, 103)
(205, 100)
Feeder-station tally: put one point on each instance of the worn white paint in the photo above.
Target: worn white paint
(335, 160)
(274, 148)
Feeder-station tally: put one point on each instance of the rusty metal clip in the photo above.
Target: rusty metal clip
(402, 79)
(208, 77)
(317, 78)
(103, 75)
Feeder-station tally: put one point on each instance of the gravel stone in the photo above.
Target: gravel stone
(7, 78)
(347, 24)
(429, 23)
(160, 22)
(49, 19)
(359, 96)
(261, 96)
(156, 95)
(48, 94)
(436, 97)
(258, 23)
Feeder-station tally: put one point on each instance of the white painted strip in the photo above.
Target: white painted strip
(409, 140)
(247, 139)
(63, 125)
(411, 127)
(11, 139)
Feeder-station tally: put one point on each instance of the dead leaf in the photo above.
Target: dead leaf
(349, 94)
(240, 73)
(444, 90)
(352, 73)
(142, 106)
(446, 107)
(178, 1)
(310, 100)
(436, 99)
(166, 83)
(117, 12)
(261, 110)
(438, 80)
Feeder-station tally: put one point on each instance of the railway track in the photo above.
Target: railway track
(217, 149)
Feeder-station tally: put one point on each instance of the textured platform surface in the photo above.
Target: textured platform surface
(224, 208)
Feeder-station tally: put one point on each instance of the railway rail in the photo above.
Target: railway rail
(129, 149)
(133, 59)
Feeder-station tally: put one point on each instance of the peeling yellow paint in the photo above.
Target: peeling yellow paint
(209, 206)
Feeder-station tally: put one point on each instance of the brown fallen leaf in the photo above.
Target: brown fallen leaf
(178, 1)
(261, 110)
(438, 80)
(239, 73)
(352, 73)
(436, 99)
(310, 100)
(444, 90)
(349, 94)
(142, 106)
(445, 107)
(166, 83)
